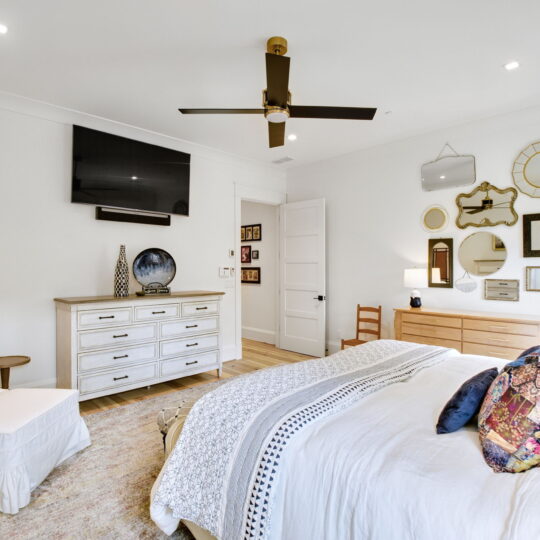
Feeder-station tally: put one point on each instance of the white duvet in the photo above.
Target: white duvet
(378, 471)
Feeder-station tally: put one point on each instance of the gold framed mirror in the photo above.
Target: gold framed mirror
(441, 262)
(486, 206)
(435, 218)
(526, 170)
(482, 254)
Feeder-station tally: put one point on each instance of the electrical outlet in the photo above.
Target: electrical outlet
(231, 252)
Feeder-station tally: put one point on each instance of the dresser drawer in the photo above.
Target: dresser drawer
(434, 320)
(431, 331)
(118, 336)
(149, 313)
(199, 308)
(525, 329)
(117, 357)
(452, 344)
(501, 339)
(104, 317)
(185, 328)
(188, 345)
(117, 378)
(178, 366)
(491, 350)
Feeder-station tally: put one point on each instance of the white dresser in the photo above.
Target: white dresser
(106, 345)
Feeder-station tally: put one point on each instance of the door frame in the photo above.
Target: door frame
(262, 196)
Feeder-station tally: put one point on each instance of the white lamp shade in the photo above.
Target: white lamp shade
(415, 278)
(436, 275)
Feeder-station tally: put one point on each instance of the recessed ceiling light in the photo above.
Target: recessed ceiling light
(134, 177)
(292, 137)
(511, 65)
(442, 177)
(3, 29)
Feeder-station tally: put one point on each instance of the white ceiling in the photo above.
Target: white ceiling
(432, 64)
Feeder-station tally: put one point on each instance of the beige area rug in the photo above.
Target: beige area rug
(103, 492)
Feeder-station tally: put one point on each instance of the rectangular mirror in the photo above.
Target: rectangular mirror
(532, 278)
(448, 172)
(441, 262)
(501, 289)
(531, 235)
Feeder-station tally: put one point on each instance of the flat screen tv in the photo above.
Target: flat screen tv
(114, 171)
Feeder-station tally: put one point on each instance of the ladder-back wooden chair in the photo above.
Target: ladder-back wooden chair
(373, 322)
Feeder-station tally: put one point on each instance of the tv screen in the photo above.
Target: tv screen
(114, 171)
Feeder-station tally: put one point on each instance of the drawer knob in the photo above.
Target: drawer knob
(123, 356)
(157, 312)
(120, 378)
(190, 363)
(199, 308)
(106, 317)
(120, 335)
(191, 344)
(192, 325)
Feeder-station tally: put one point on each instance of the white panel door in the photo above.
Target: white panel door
(302, 277)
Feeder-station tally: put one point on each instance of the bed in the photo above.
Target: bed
(343, 448)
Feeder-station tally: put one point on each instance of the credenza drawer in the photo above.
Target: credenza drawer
(117, 357)
(177, 366)
(432, 331)
(188, 345)
(149, 313)
(501, 339)
(199, 308)
(183, 328)
(524, 329)
(491, 350)
(104, 317)
(117, 378)
(434, 320)
(118, 336)
(452, 344)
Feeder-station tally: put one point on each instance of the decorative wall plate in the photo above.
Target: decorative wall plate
(486, 206)
(526, 170)
(154, 267)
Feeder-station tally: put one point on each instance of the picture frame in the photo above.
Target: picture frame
(249, 233)
(257, 232)
(251, 275)
(531, 235)
(245, 254)
(497, 244)
(255, 254)
(242, 234)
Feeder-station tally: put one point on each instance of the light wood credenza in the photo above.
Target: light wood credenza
(470, 332)
(106, 345)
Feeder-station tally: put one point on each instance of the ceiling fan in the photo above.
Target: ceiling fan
(486, 204)
(277, 106)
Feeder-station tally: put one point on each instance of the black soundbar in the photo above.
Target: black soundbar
(132, 216)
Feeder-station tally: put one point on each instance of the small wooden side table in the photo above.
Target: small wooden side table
(7, 362)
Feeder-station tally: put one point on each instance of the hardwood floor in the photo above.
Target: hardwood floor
(256, 355)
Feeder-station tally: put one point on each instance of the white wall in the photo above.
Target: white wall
(259, 301)
(374, 204)
(52, 248)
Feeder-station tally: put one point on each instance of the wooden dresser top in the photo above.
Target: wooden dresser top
(131, 297)
(465, 314)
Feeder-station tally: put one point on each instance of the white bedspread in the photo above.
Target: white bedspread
(378, 471)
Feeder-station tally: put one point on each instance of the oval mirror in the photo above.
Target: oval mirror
(434, 218)
(526, 170)
(482, 253)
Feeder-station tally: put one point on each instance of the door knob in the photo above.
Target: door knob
(320, 298)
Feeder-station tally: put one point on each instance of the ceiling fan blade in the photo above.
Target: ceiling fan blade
(276, 134)
(340, 113)
(477, 210)
(277, 79)
(221, 111)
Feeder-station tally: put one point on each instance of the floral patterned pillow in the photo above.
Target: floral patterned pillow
(509, 419)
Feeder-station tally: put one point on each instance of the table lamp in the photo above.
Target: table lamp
(415, 278)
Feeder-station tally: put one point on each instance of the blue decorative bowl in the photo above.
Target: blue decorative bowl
(154, 267)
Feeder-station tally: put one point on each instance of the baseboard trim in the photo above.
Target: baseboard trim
(333, 346)
(258, 334)
(43, 383)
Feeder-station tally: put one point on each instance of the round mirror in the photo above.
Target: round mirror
(482, 253)
(526, 171)
(434, 218)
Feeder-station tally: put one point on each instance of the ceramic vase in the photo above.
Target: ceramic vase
(121, 275)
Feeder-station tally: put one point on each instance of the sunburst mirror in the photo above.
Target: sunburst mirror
(486, 206)
(526, 170)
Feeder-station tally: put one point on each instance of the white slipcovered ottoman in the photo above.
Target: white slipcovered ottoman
(39, 428)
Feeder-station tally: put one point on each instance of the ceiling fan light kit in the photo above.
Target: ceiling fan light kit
(277, 107)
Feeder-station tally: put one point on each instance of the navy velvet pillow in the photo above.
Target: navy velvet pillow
(466, 402)
(520, 360)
